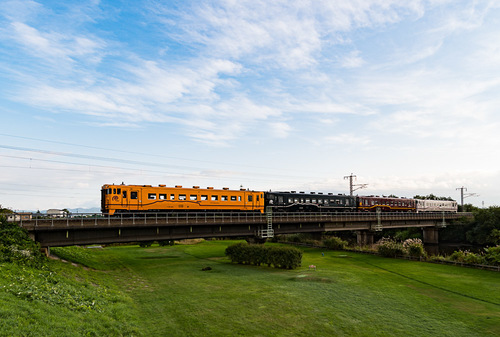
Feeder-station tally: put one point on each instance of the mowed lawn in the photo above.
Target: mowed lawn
(349, 294)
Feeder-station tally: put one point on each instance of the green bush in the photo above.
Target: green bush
(492, 255)
(279, 257)
(145, 244)
(334, 243)
(414, 248)
(473, 258)
(465, 256)
(16, 246)
(390, 248)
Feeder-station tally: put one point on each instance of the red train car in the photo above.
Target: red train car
(386, 204)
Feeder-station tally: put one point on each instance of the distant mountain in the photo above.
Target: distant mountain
(85, 210)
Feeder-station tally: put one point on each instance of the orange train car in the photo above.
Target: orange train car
(147, 198)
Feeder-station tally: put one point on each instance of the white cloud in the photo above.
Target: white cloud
(56, 47)
(349, 139)
(352, 60)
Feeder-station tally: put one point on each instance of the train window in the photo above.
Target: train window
(290, 200)
(223, 198)
(172, 196)
(119, 191)
(233, 198)
(280, 200)
(320, 201)
(182, 197)
(114, 190)
(258, 198)
(133, 195)
(308, 200)
(152, 196)
(215, 197)
(296, 200)
(162, 196)
(347, 202)
(124, 194)
(193, 197)
(239, 198)
(326, 202)
(250, 198)
(314, 201)
(204, 197)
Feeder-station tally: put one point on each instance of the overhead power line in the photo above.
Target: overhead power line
(354, 187)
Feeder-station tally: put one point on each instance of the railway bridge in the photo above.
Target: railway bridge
(84, 229)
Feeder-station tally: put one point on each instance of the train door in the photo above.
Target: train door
(125, 198)
(134, 200)
(249, 201)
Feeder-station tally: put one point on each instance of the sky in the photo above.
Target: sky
(264, 95)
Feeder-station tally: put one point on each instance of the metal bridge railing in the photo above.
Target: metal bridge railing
(199, 218)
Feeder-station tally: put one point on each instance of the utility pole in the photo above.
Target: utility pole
(351, 185)
(465, 195)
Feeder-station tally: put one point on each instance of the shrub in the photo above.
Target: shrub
(492, 255)
(390, 248)
(473, 258)
(163, 243)
(16, 246)
(334, 243)
(465, 256)
(414, 247)
(145, 244)
(279, 257)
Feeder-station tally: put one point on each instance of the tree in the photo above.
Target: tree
(485, 226)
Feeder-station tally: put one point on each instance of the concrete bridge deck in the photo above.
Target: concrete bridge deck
(80, 229)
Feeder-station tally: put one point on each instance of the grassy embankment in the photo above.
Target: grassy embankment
(161, 291)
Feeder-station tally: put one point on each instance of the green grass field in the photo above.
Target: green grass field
(162, 291)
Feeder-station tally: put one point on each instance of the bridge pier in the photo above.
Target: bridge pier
(431, 240)
(431, 235)
(364, 238)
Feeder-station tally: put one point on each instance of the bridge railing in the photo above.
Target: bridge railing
(199, 218)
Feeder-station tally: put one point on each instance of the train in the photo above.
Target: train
(127, 199)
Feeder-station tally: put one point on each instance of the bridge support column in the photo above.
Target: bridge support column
(365, 238)
(431, 235)
(431, 240)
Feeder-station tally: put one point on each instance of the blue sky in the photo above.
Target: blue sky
(279, 95)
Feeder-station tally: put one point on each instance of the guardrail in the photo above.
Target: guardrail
(183, 218)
